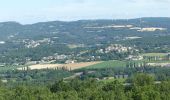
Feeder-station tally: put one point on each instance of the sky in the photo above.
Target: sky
(32, 11)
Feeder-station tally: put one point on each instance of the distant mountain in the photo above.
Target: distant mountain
(82, 30)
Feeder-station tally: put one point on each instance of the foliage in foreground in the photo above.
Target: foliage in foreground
(142, 87)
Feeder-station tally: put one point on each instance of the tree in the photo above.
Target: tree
(60, 86)
(143, 79)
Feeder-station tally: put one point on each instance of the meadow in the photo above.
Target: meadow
(155, 54)
(108, 64)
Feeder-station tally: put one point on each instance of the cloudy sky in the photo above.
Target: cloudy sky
(31, 11)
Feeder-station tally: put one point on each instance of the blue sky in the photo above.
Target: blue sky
(31, 11)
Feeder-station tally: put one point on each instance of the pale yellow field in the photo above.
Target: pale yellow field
(71, 66)
(80, 65)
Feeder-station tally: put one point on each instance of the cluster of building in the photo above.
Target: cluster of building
(115, 47)
(32, 44)
(56, 57)
(51, 59)
(134, 57)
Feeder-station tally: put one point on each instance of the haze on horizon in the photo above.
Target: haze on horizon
(32, 11)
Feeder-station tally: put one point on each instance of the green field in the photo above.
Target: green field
(155, 54)
(108, 64)
(159, 61)
(116, 63)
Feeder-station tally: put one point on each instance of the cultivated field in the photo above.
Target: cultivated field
(81, 65)
(108, 64)
(155, 54)
(71, 66)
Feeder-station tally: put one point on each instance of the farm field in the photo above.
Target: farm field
(87, 65)
(154, 63)
(42, 66)
(71, 66)
(116, 63)
(155, 54)
(74, 66)
(108, 64)
(166, 61)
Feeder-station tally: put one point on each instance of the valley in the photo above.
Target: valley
(85, 56)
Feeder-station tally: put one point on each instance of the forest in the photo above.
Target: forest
(142, 87)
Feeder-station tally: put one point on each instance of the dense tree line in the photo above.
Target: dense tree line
(160, 73)
(34, 77)
(142, 87)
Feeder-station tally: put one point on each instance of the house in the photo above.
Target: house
(70, 61)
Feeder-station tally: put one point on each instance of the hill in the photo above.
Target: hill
(22, 43)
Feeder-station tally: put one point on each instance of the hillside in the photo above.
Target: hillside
(22, 43)
(82, 30)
